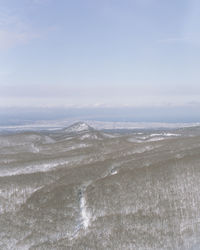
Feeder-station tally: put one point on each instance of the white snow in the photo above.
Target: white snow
(170, 134)
(34, 149)
(84, 213)
(156, 139)
(164, 134)
(78, 127)
(114, 172)
(78, 146)
(43, 167)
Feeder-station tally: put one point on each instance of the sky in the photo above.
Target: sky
(99, 53)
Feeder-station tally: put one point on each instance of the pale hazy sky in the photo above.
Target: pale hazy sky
(91, 53)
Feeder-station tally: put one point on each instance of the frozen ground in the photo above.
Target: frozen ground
(82, 188)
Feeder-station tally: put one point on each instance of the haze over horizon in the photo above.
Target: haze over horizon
(88, 54)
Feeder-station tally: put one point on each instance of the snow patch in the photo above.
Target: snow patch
(84, 213)
(164, 134)
(78, 127)
(114, 172)
(156, 139)
(45, 167)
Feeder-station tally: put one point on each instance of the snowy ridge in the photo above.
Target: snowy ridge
(78, 127)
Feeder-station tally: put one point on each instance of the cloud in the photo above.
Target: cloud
(77, 102)
(4, 73)
(9, 39)
(175, 40)
(40, 1)
(13, 30)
